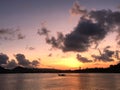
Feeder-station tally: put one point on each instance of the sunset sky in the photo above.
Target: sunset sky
(62, 34)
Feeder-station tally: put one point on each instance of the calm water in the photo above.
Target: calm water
(55, 82)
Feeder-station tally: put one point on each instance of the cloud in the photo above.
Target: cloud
(92, 28)
(50, 55)
(107, 47)
(3, 59)
(82, 37)
(7, 33)
(117, 54)
(83, 59)
(56, 42)
(22, 60)
(20, 36)
(105, 56)
(30, 48)
(43, 31)
(11, 64)
(10, 34)
(77, 9)
(106, 18)
(25, 62)
(35, 63)
(109, 20)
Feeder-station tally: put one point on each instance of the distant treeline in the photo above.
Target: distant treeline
(110, 69)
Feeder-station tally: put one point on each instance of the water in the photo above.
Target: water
(54, 82)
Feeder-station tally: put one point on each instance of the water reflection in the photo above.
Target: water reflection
(55, 82)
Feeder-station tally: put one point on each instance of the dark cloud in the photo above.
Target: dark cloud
(22, 60)
(83, 36)
(92, 27)
(109, 20)
(3, 59)
(83, 59)
(43, 31)
(80, 38)
(7, 31)
(56, 42)
(10, 34)
(105, 56)
(117, 54)
(21, 36)
(11, 64)
(107, 47)
(25, 62)
(35, 63)
(106, 18)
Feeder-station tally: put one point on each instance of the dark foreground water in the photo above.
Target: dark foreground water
(55, 82)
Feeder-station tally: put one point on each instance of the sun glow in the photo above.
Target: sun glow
(71, 63)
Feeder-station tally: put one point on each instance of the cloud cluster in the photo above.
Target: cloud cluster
(43, 31)
(88, 31)
(35, 63)
(3, 59)
(109, 20)
(21, 61)
(82, 37)
(105, 56)
(25, 62)
(11, 34)
(20, 36)
(11, 64)
(117, 54)
(92, 28)
(82, 59)
(56, 42)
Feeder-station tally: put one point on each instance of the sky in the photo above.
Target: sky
(61, 34)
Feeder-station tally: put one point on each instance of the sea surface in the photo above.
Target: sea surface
(50, 81)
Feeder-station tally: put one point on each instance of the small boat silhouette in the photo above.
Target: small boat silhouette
(61, 74)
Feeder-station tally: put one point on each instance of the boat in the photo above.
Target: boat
(61, 74)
